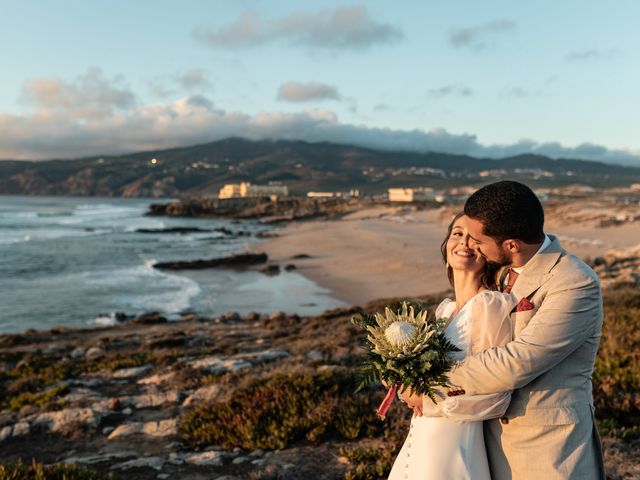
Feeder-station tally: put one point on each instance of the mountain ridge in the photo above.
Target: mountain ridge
(202, 169)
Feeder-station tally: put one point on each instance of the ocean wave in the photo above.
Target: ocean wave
(19, 215)
(106, 320)
(9, 237)
(102, 212)
(167, 293)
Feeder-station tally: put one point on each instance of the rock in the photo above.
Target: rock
(239, 460)
(315, 356)
(127, 411)
(264, 356)
(91, 459)
(131, 372)
(158, 379)
(163, 476)
(219, 364)
(271, 270)
(78, 352)
(151, 318)
(290, 267)
(211, 458)
(208, 394)
(63, 420)
(151, 400)
(94, 353)
(27, 410)
(234, 261)
(188, 317)
(161, 428)
(180, 230)
(176, 458)
(108, 430)
(301, 256)
(6, 433)
(113, 404)
(252, 316)
(257, 453)
(20, 429)
(230, 317)
(91, 383)
(148, 462)
(81, 395)
(277, 316)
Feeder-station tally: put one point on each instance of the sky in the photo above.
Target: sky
(488, 79)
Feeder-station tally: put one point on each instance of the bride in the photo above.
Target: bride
(445, 440)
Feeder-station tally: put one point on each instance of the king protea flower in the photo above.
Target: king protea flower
(402, 334)
(407, 350)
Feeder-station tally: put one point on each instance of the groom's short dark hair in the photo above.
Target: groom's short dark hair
(507, 210)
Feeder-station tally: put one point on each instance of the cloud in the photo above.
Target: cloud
(167, 86)
(347, 28)
(90, 95)
(193, 120)
(58, 127)
(305, 92)
(450, 90)
(194, 79)
(591, 54)
(517, 92)
(480, 37)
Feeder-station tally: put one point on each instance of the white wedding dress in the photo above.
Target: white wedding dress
(447, 442)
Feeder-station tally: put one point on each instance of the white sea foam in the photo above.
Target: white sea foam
(167, 293)
(105, 320)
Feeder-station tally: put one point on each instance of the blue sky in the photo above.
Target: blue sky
(487, 78)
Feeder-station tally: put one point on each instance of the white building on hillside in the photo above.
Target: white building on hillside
(354, 193)
(411, 194)
(245, 189)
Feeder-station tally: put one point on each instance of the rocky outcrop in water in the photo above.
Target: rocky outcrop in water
(235, 261)
(283, 209)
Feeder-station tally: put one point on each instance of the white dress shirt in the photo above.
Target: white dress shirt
(545, 244)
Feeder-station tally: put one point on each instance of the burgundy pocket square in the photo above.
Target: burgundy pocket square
(524, 305)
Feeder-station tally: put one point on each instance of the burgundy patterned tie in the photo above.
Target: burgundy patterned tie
(511, 279)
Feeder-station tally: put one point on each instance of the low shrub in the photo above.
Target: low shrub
(38, 399)
(616, 378)
(17, 470)
(276, 412)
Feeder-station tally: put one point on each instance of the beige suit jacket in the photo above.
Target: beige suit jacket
(548, 431)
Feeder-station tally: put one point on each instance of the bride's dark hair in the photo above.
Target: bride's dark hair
(489, 272)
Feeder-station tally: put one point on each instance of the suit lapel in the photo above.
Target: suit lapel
(535, 272)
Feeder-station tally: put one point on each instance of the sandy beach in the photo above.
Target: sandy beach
(394, 251)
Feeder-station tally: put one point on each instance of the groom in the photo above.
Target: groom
(548, 432)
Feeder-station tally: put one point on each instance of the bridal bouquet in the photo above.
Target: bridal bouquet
(405, 350)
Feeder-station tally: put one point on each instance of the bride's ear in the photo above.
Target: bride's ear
(511, 245)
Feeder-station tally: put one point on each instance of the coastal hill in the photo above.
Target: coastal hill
(303, 166)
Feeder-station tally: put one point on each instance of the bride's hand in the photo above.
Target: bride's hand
(413, 401)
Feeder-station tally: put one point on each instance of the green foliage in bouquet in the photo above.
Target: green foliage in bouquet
(406, 349)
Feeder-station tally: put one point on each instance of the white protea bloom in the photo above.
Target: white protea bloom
(400, 334)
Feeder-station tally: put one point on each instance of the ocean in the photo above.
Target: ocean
(76, 261)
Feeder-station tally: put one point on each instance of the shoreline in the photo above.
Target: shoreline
(358, 259)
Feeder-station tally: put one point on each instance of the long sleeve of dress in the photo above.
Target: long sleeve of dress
(489, 327)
